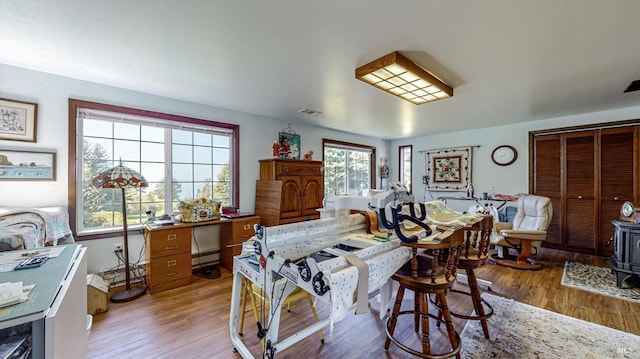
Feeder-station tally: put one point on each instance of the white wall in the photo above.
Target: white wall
(51, 93)
(485, 174)
(257, 134)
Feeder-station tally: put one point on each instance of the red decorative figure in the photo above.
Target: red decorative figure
(308, 156)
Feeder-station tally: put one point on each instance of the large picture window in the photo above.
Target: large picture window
(349, 168)
(181, 158)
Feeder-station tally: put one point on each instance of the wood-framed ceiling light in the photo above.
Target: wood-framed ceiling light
(400, 76)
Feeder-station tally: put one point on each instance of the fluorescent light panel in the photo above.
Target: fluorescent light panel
(401, 77)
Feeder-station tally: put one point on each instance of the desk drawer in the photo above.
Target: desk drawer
(169, 241)
(298, 169)
(169, 268)
(242, 230)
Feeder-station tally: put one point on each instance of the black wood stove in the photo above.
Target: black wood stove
(625, 261)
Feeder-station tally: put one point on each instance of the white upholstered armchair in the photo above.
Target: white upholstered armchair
(525, 234)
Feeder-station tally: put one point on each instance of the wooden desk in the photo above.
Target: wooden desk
(168, 249)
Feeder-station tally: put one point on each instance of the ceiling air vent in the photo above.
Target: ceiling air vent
(634, 86)
(307, 111)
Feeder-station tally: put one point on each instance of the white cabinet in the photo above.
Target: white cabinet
(56, 312)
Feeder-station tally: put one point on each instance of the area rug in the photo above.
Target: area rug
(517, 330)
(597, 280)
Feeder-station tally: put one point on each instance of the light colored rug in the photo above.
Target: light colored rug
(519, 331)
(597, 280)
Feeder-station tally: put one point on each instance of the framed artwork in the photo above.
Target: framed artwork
(18, 120)
(449, 168)
(289, 145)
(18, 165)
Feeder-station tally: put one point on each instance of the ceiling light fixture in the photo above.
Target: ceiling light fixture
(401, 77)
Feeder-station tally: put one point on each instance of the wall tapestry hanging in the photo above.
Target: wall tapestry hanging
(449, 169)
(289, 144)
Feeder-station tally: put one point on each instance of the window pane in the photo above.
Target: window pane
(179, 136)
(201, 154)
(97, 128)
(126, 150)
(182, 172)
(126, 131)
(221, 141)
(202, 173)
(186, 192)
(98, 148)
(152, 134)
(154, 192)
(221, 155)
(203, 139)
(153, 152)
(153, 172)
(182, 154)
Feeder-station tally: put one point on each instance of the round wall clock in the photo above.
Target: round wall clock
(504, 155)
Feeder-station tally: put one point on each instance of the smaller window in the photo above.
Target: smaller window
(405, 165)
(349, 168)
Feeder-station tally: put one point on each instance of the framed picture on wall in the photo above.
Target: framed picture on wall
(18, 165)
(289, 145)
(18, 120)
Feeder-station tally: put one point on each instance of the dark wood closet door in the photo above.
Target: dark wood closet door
(548, 182)
(588, 172)
(581, 226)
(617, 158)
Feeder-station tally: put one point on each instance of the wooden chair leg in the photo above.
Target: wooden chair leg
(394, 316)
(416, 311)
(254, 305)
(315, 316)
(245, 292)
(424, 315)
(453, 336)
(477, 301)
(439, 312)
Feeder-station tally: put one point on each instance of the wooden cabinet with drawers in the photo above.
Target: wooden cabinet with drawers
(168, 254)
(231, 237)
(289, 191)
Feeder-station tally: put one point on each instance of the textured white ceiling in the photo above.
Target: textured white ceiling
(508, 61)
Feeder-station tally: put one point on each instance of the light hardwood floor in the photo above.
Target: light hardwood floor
(193, 321)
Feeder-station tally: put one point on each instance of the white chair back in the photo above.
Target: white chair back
(534, 213)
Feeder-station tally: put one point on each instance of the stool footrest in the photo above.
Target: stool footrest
(402, 346)
(486, 315)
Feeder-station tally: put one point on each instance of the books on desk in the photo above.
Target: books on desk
(237, 215)
(161, 222)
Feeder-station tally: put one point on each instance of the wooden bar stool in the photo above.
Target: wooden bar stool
(431, 272)
(474, 253)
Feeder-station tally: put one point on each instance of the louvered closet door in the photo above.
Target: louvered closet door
(616, 179)
(580, 198)
(547, 182)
